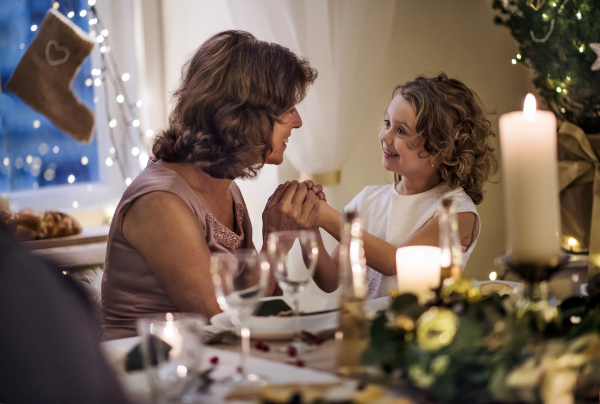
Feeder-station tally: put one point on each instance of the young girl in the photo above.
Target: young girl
(435, 137)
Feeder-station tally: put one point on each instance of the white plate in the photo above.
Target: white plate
(282, 328)
(374, 305)
(513, 285)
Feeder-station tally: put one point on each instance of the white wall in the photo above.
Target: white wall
(459, 38)
(429, 36)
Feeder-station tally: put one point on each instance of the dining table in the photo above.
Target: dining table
(267, 358)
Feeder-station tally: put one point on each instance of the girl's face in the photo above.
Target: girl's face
(282, 131)
(395, 137)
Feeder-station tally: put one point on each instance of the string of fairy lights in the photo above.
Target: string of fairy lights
(128, 110)
(580, 46)
(127, 117)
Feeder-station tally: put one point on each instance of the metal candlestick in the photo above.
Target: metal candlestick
(533, 305)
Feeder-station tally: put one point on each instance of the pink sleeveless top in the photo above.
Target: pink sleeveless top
(129, 288)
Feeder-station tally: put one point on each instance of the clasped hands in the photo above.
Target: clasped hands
(293, 206)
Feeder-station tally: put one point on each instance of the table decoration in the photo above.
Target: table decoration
(353, 335)
(418, 270)
(451, 250)
(317, 393)
(558, 41)
(529, 173)
(533, 304)
(477, 349)
(579, 185)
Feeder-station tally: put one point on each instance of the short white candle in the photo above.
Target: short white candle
(529, 174)
(418, 269)
(170, 334)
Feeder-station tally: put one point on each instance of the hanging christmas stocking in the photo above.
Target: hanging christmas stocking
(44, 75)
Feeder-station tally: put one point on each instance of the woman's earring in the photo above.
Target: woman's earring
(433, 165)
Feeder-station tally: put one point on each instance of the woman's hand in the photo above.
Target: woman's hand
(291, 207)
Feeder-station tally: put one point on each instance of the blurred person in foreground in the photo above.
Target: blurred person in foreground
(49, 351)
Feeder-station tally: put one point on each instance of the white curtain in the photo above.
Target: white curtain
(346, 41)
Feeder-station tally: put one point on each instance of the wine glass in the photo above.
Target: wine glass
(171, 348)
(240, 279)
(293, 257)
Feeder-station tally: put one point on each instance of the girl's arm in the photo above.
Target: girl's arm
(381, 255)
(326, 272)
(429, 234)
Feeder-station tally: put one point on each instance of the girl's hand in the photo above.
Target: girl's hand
(327, 217)
(291, 207)
(317, 189)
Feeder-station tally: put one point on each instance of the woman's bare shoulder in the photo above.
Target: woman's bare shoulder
(158, 201)
(158, 211)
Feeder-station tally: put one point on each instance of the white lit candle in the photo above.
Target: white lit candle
(170, 334)
(529, 173)
(418, 269)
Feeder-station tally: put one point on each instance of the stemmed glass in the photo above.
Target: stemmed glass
(240, 279)
(171, 347)
(293, 256)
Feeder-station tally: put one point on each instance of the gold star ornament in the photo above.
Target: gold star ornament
(536, 4)
(596, 48)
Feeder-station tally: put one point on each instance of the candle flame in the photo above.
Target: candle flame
(529, 107)
(245, 332)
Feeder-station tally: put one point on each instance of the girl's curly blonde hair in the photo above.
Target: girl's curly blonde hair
(452, 127)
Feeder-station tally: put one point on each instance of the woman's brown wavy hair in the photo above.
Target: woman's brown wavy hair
(451, 125)
(231, 93)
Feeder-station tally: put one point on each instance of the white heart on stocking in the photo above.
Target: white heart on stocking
(58, 48)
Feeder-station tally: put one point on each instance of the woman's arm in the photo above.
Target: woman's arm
(381, 255)
(165, 231)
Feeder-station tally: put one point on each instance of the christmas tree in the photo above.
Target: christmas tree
(560, 41)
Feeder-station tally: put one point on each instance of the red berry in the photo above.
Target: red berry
(318, 341)
(214, 360)
(361, 386)
(265, 348)
(240, 369)
(292, 351)
(300, 363)
(259, 344)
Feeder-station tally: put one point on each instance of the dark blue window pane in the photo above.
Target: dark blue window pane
(33, 152)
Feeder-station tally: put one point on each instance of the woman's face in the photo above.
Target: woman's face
(282, 131)
(395, 137)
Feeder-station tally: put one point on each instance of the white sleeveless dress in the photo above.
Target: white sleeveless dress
(394, 218)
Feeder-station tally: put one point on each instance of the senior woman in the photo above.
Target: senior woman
(233, 112)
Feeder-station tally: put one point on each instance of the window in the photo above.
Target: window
(40, 166)
(35, 153)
